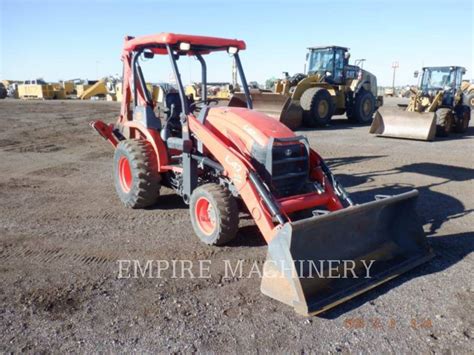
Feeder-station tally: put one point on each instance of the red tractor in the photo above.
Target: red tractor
(225, 160)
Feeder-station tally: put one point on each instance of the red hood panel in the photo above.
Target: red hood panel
(247, 125)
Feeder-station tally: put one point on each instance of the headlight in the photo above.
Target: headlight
(232, 50)
(185, 46)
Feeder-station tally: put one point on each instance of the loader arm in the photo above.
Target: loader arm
(436, 102)
(258, 199)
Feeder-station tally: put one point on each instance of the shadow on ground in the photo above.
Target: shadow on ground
(449, 250)
(434, 206)
(169, 201)
(337, 123)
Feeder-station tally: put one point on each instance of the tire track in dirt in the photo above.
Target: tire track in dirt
(18, 147)
(100, 260)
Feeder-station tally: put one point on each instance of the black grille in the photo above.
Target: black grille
(283, 164)
(288, 168)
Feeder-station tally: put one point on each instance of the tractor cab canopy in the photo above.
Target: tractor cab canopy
(328, 47)
(446, 78)
(182, 44)
(176, 102)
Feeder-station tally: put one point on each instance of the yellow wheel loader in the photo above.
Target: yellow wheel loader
(330, 86)
(468, 90)
(437, 107)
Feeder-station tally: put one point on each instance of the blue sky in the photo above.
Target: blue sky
(83, 39)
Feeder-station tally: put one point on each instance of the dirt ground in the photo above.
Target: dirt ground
(63, 229)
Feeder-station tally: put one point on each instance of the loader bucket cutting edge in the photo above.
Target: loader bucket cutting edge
(404, 124)
(277, 106)
(386, 231)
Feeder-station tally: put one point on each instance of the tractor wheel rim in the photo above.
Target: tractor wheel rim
(323, 108)
(125, 174)
(367, 107)
(205, 216)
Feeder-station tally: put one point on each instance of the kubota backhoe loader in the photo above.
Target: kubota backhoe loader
(330, 86)
(436, 108)
(216, 156)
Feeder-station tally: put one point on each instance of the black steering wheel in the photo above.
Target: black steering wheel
(196, 104)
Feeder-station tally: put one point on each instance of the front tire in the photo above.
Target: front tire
(137, 180)
(444, 122)
(364, 108)
(214, 214)
(318, 107)
(461, 121)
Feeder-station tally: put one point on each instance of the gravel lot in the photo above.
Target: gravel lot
(63, 229)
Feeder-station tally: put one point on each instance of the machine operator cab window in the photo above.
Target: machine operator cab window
(339, 59)
(435, 79)
(327, 62)
(446, 79)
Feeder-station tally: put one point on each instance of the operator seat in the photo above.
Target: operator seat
(171, 131)
(173, 106)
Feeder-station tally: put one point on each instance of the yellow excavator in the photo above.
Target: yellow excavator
(330, 86)
(437, 107)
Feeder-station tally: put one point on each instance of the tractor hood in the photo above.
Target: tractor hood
(279, 156)
(244, 127)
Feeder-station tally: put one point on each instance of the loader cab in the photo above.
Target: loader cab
(328, 62)
(446, 79)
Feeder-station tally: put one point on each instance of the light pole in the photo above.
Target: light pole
(395, 65)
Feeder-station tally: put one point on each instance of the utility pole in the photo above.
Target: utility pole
(395, 65)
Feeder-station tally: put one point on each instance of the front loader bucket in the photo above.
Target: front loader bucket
(277, 106)
(378, 241)
(404, 124)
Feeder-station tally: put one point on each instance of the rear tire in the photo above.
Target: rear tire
(364, 108)
(470, 100)
(461, 119)
(444, 122)
(318, 107)
(136, 175)
(214, 214)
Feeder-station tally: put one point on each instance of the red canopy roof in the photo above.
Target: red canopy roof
(199, 44)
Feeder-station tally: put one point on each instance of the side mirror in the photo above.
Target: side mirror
(307, 56)
(416, 73)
